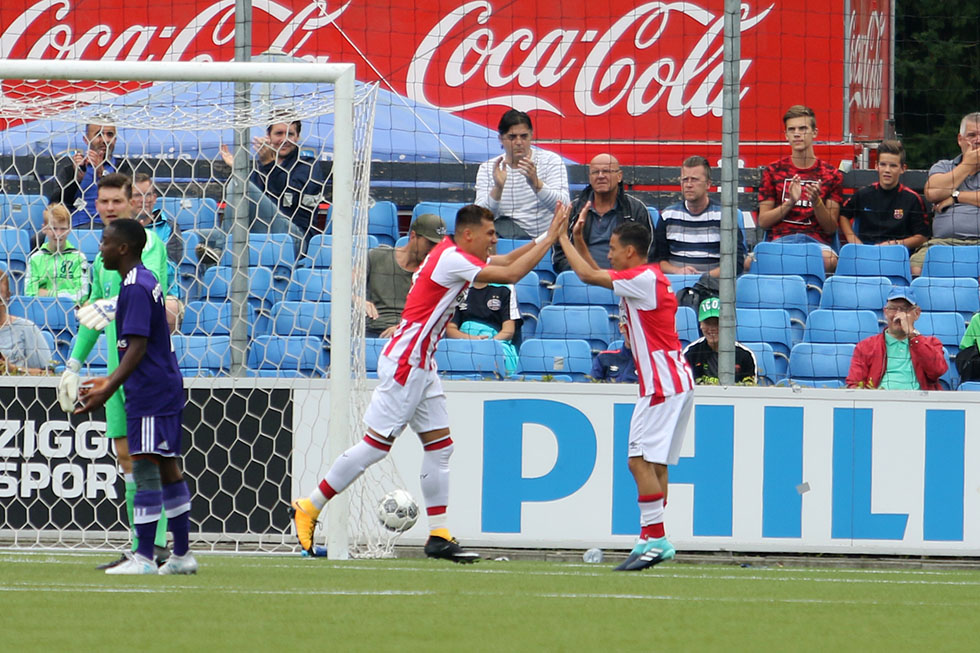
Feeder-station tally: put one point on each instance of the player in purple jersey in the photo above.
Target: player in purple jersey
(154, 392)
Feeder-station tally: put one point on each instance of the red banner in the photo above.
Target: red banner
(644, 81)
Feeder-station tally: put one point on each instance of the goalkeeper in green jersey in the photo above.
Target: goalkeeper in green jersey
(114, 200)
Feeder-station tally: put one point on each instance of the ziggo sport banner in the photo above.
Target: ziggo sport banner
(762, 469)
(642, 79)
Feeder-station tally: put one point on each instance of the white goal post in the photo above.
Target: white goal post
(343, 285)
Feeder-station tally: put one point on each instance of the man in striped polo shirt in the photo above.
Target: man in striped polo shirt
(687, 239)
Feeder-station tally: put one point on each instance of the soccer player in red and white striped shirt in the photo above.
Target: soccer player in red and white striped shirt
(409, 392)
(660, 418)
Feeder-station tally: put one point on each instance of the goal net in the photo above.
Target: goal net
(255, 178)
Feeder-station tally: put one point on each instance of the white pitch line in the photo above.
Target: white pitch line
(559, 596)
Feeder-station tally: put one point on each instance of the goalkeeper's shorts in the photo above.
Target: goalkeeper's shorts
(115, 415)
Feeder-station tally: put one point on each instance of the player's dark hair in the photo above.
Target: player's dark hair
(118, 180)
(635, 234)
(892, 147)
(285, 119)
(130, 232)
(511, 118)
(471, 216)
(695, 161)
(800, 111)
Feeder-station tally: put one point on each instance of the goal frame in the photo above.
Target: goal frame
(342, 76)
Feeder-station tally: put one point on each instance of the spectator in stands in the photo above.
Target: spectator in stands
(968, 359)
(75, 178)
(489, 311)
(899, 358)
(23, 349)
(390, 271)
(522, 187)
(56, 268)
(887, 212)
(283, 192)
(800, 195)
(687, 239)
(615, 365)
(609, 206)
(954, 189)
(164, 226)
(702, 354)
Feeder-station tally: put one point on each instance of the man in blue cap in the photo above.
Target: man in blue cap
(899, 358)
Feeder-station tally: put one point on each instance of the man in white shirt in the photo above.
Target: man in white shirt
(522, 187)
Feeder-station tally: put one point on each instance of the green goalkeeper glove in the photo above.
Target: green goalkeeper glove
(68, 386)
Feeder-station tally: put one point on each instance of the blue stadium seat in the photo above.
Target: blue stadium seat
(292, 318)
(952, 261)
(206, 318)
(312, 285)
(530, 299)
(287, 356)
(190, 212)
(768, 325)
(589, 323)
(856, 293)
(654, 215)
(319, 253)
(802, 259)
(87, 241)
(836, 326)
(765, 363)
(54, 314)
(15, 248)
(969, 386)
(947, 327)
(957, 294)
(471, 359)
(565, 360)
(890, 261)
(820, 365)
(786, 292)
(682, 281)
(262, 293)
(274, 251)
(97, 362)
(950, 380)
(382, 222)
(686, 322)
(23, 211)
(202, 355)
(572, 291)
(372, 351)
(445, 210)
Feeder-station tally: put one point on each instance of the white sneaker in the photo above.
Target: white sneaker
(135, 566)
(185, 564)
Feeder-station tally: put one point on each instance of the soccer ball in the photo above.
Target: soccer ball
(398, 511)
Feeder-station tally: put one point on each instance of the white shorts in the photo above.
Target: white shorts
(657, 432)
(420, 403)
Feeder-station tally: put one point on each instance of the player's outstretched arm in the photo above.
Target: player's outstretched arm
(513, 255)
(95, 392)
(583, 269)
(530, 254)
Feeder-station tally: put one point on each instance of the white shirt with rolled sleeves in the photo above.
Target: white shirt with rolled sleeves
(649, 306)
(531, 211)
(438, 288)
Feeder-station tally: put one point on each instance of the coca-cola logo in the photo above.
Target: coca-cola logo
(26, 36)
(606, 66)
(867, 59)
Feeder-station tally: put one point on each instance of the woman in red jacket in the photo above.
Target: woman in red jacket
(899, 358)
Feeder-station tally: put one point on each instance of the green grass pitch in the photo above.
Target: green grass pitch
(244, 603)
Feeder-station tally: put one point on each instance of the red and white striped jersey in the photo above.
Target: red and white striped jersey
(438, 287)
(649, 306)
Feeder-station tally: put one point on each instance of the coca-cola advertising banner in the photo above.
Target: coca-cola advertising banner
(642, 79)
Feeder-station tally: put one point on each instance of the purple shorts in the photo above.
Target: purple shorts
(156, 434)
